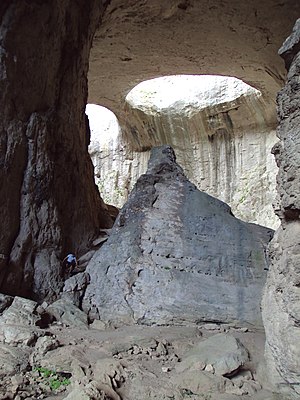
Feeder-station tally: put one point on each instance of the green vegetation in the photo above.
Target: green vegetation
(52, 378)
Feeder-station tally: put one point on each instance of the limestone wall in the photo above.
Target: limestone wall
(281, 301)
(177, 256)
(224, 148)
(49, 203)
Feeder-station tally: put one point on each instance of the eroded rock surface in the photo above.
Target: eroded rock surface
(175, 255)
(141, 40)
(281, 301)
(220, 129)
(49, 202)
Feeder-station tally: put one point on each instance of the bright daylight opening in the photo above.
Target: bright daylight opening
(104, 125)
(103, 149)
(218, 128)
(187, 93)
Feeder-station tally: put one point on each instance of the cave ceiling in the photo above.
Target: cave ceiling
(143, 39)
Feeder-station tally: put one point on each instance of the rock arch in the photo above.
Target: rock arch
(43, 91)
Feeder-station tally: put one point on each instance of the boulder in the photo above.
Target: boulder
(22, 312)
(12, 360)
(18, 323)
(221, 354)
(65, 311)
(177, 255)
(5, 301)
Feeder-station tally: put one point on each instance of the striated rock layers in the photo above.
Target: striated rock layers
(49, 204)
(177, 255)
(220, 128)
(281, 300)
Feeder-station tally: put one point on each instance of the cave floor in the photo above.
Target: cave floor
(140, 362)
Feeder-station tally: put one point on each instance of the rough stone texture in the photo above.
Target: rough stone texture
(222, 352)
(18, 323)
(66, 312)
(75, 286)
(5, 302)
(130, 363)
(140, 40)
(49, 202)
(222, 134)
(281, 300)
(12, 360)
(22, 311)
(175, 255)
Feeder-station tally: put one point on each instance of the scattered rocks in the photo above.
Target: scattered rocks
(15, 335)
(18, 323)
(127, 364)
(42, 346)
(97, 324)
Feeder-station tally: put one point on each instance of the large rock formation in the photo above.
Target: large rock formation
(281, 301)
(49, 202)
(220, 128)
(177, 255)
(141, 40)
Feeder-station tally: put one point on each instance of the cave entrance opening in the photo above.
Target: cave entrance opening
(104, 150)
(218, 127)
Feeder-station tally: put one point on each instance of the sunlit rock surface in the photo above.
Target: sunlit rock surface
(177, 255)
(141, 40)
(115, 172)
(220, 129)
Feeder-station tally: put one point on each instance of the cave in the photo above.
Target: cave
(56, 57)
(219, 128)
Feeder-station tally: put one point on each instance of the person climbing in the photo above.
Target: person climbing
(69, 263)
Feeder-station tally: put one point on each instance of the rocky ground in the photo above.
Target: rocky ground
(52, 352)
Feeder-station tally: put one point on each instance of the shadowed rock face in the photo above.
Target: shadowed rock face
(281, 300)
(177, 254)
(49, 202)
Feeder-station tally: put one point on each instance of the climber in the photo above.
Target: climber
(70, 262)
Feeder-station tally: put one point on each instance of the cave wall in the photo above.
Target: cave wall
(281, 300)
(143, 40)
(223, 143)
(49, 202)
(140, 40)
(224, 152)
